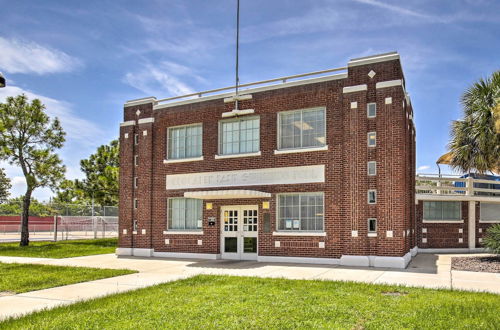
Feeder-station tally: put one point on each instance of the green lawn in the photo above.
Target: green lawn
(245, 302)
(19, 278)
(62, 249)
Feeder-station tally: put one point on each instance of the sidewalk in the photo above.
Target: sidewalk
(425, 270)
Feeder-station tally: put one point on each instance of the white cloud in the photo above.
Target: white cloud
(20, 56)
(399, 10)
(423, 168)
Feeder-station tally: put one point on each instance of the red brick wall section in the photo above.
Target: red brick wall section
(346, 185)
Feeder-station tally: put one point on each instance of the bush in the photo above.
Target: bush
(492, 239)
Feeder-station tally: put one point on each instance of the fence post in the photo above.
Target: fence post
(55, 228)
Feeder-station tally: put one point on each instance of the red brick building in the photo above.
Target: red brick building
(314, 168)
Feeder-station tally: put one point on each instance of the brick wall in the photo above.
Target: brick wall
(346, 179)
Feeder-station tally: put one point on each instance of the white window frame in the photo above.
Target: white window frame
(374, 163)
(136, 203)
(487, 221)
(460, 220)
(368, 139)
(136, 179)
(368, 226)
(136, 160)
(136, 139)
(185, 230)
(221, 135)
(280, 231)
(278, 137)
(368, 196)
(185, 158)
(368, 110)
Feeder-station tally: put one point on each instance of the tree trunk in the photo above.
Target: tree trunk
(25, 234)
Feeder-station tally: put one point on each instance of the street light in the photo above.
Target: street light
(2, 80)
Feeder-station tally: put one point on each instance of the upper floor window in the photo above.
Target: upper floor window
(302, 128)
(442, 211)
(300, 212)
(185, 213)
(371, 110)
(239, 136)
(372, 139)
(489, 212)
(136, 139)
(184, 141)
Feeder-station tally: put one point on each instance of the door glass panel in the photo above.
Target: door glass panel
(231, 220)
(231, 244)
(250, 220)
(250, 245)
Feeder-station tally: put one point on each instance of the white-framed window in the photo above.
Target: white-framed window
(239, 135)
(372, 196)
(372, 168)
(489, 212)
(371, 110)
(300, 212)
(136, 181)
(135, 225)
(136, 160)
(184, 141)
(372, 139)
(136, 139)
(185, 213)
(136, 203)
(372, 225)
(442, 211)
(304, 128)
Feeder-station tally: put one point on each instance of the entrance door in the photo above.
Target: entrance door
(239, 232)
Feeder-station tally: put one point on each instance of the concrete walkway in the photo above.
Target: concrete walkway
(425, 270)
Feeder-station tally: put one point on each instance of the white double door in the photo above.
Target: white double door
(239, 231)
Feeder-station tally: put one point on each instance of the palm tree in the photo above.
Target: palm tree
(475, 140)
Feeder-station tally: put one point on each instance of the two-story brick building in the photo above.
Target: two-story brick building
(314, 168)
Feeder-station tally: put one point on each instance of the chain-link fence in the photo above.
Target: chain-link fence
(51, 221)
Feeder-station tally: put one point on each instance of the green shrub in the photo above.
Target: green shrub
(492, 239)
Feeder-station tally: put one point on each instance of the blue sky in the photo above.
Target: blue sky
(84, 59)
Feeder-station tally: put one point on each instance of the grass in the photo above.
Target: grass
(244, 302)
(62, 249)
(18, 278)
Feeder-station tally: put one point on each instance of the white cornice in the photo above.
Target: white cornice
(144, 100)
(146, 120)
(356, 88)
(127, 123)
(389, 83)
(373, 59)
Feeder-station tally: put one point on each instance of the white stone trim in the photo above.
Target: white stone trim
(451, 250)
(389, 83)
(373, 59)
(277, 244)
(134, 232)
(123, 251)
(144, 100)
(182, 160)
(239, 98)
(146, 120)
(167, 241)
(372, 234)
(414, 251)
(296, 150)
(226, 194)
(489, 221)
(354, 233)
(356, 88)
(376, 261)
(389, 234)
(235, 112)
(254, 90)
(354, 105)
(462, 198)
(142, 252)
(362, 261)
(183, 255)
(321, 245)
(301, 260)
(388, 100)
(127, 123)
(250, 154)
(442, 221)
(185, 232)
(298, 233)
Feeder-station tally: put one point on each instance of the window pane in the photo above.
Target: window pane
(184, 142)
(240, 136)
(302, 128)
(300, 212)
(489, 212)
(442, 211)
(184, 213)
(372, 109)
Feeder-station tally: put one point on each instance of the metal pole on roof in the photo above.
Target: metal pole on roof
(237, 49)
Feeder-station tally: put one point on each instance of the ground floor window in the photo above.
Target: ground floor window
(184, 213)
(442, 211)
(300, 212)
(489, 212)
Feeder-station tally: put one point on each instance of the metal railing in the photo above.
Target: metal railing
(455, 185)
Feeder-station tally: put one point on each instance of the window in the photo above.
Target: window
(136, 203)
(136, 160)
(372, 168)
(372, 139)
(184, 213)
(135, 225)
(489, 212)
(372, 196)
(239, 136)
(184, 141)
(442, 211)
(301, 129)
(371, 110)
(300, 212)
(136, 139)
(136, 180)
(372, 225)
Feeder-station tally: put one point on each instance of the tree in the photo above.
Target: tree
(492, 239)
(29, 139)
(4, 186)
(101, 171)
(475, 140)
